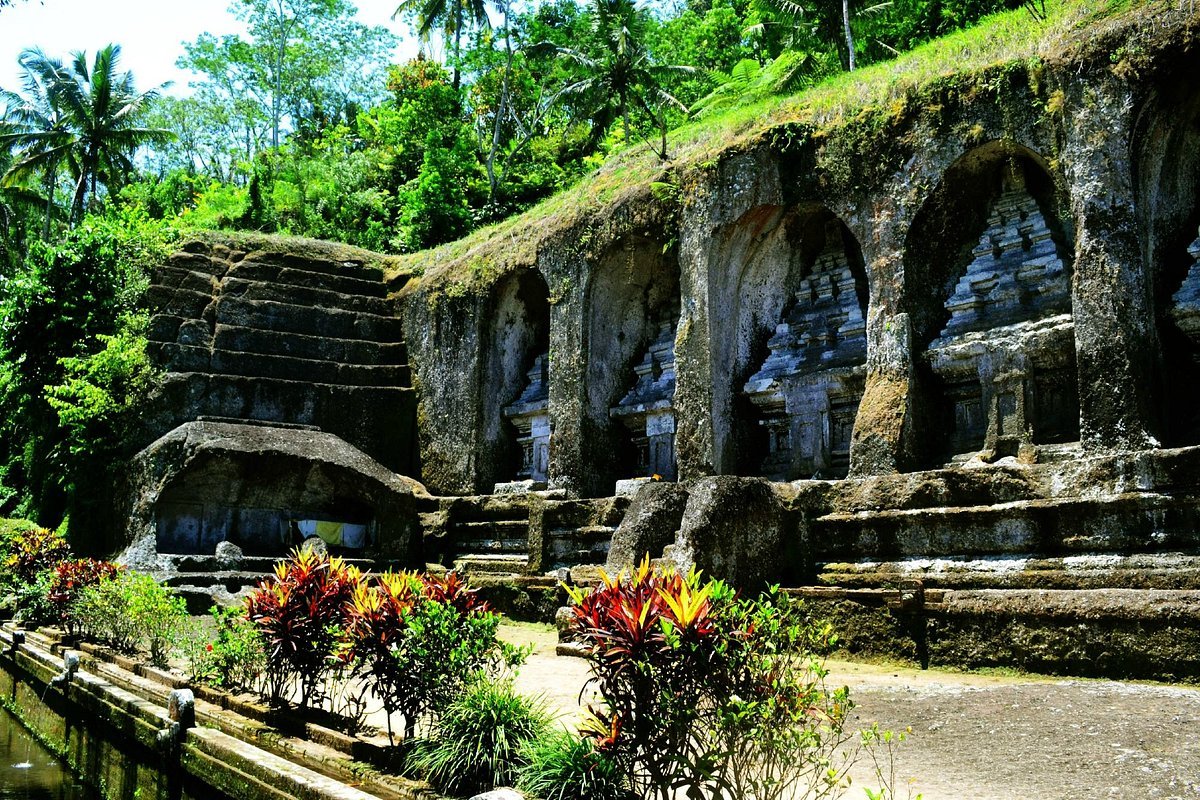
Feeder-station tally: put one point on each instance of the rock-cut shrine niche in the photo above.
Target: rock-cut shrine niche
(515, 419)
(648, 409)
(1167, 170)
(633, 309)
(1004, 358)
(808, 388)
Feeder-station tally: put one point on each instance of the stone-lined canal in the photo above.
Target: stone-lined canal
(30, 772)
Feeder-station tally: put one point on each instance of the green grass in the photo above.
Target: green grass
(1069, 30)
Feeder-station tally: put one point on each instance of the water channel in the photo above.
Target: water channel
(30, 772)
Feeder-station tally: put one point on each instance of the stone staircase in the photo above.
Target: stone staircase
(578, 533)
(506, 536)
(485, 534)
(203, 580)
(281, 338)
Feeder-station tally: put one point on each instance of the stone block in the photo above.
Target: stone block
(649, 525)
(732, 528)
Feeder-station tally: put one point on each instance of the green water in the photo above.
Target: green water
(29, 772)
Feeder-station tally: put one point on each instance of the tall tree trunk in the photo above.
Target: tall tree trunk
(849, 34)
(458, 23)
(51, 179)
(276, 90)
(501, 109)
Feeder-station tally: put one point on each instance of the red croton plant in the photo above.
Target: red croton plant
(68, 579)
(413, 640)
(302, 613)
(417, 639)
(706, 693)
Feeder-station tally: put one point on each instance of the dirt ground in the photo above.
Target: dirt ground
(984, 737)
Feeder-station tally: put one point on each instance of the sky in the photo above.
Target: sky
(151, 32)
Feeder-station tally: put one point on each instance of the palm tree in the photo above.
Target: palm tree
(621, 75)
(85, 117)
(796, 9)
(36, 129)
(452, 16)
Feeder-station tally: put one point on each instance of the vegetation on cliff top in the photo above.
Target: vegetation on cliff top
(1071, 29)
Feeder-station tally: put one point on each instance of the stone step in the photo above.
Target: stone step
(166, 327)
(187, 303)
(299, 345)
(278, 274)
(286, 317)
(275, 400)
(346, 269)
(1173, 571)
(586, 533)
(195, 262)
(179, 277)
(492, 529)
(262, 565)
(487, 508)
(495, 546)
(186, 358)
(304, 296)
(571, 547)
(232, 581)
(1128, 523)
(491, 564)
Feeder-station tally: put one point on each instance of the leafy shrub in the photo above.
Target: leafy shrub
(130, 610)
(417, 641)
(562, 766)
(159, 615)
(10, 529)
(68, 579)
(53, 308)
(302, 614)
(235, 658)
(102, 393)
(706, 693)
(33, 600)
(32, 552)
(478, 741)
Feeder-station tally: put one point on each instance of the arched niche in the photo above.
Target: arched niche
(1167, 175)
(797, 352)
(632, 319)
(987, 285)
(515, 423)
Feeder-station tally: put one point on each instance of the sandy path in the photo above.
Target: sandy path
(986, 737)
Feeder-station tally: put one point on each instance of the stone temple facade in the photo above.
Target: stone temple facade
(938, 366)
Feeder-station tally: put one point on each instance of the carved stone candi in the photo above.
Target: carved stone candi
(810, 384)
(1185, 308)
(529, 414)
(1006, 356)
(648, 409)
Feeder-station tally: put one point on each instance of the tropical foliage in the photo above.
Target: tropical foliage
(705, 693)
(301, 614)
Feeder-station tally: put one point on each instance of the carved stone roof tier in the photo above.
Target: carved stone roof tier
(655, 385)
(536, 396)
(824, 327)
(1016, 273)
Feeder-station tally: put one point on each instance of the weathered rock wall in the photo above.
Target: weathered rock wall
(1105, 152)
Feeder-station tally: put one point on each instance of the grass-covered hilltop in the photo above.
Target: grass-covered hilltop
(848, 119)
